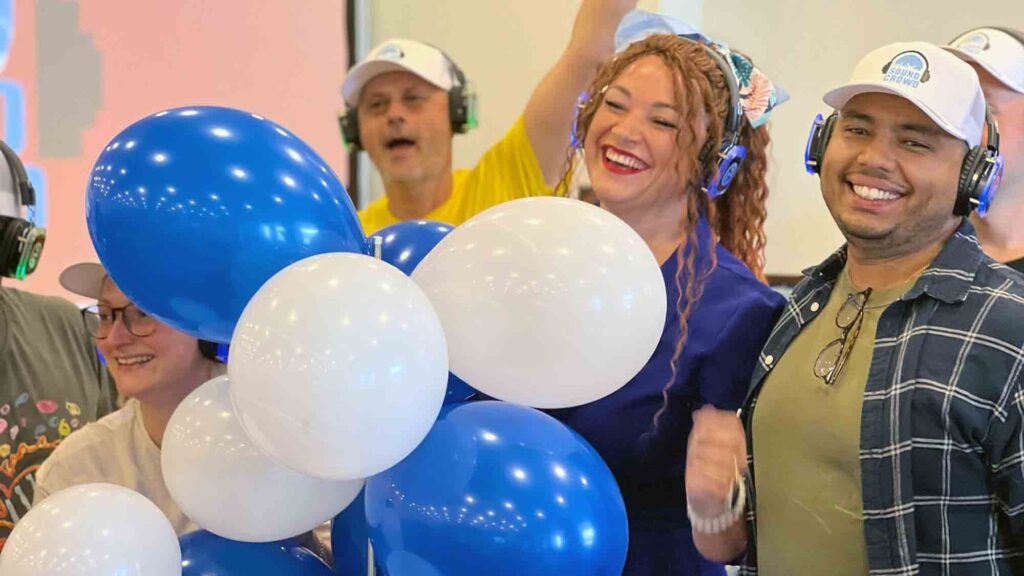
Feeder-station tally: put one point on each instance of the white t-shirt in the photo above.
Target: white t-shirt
(115, 449)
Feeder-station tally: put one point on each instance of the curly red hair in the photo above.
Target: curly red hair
(737, 217)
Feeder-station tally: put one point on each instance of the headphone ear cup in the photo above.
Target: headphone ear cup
(349, 124)
(460, 109)
(10, 248)
(817, 142)
(965, 190)
(885, 69)
(926, 76)
(209, 350)
(728, 167)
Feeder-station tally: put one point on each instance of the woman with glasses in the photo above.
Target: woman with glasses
(155, 368)
(661, 132)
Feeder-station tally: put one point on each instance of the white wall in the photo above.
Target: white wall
(505, 46)
(809, 47)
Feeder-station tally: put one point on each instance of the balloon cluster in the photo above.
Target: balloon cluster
(349, 369)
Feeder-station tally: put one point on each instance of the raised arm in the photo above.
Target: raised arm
(549, 113)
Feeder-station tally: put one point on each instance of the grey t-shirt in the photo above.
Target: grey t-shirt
(51, 383)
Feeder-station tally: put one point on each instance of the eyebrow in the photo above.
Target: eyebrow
(923, 129)
(655, 105)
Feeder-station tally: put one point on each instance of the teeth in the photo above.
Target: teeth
(869, 193)
(129, 360)
(623, 160)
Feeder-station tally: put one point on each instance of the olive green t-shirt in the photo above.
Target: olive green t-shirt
(806, 442)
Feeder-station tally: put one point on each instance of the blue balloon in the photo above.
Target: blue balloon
(350, 538)
(206, 554)
(191, 210)
(458, 390)
(494, 489)
(406, 243)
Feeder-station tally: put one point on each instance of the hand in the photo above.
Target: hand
(715, 456)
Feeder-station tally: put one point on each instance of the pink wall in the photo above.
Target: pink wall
(279, 58)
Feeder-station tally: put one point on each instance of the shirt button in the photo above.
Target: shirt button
(815, 306)
(769, 359)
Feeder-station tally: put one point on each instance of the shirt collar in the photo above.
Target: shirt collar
(948, 278)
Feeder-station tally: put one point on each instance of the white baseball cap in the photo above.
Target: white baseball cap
(84, 279)
(943, 86)
(399, 55)
(10, 203)
(999, 53)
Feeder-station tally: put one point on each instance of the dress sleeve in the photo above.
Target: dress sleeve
(725, 373)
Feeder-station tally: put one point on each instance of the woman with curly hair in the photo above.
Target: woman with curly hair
(663, 132)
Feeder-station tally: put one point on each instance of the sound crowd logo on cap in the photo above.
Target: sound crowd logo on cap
(390, 52)
(974, 43)
(908, 69)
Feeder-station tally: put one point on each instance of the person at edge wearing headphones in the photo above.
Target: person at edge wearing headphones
(997, 54)
(51, 379)
(885, 419)
(665, 128)
(155, 367)
(407, 99)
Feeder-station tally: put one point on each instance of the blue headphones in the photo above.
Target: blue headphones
(979, 174)
(731, 154)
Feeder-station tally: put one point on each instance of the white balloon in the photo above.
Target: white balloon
(547, 302)
(229, 487)
(93, 530)
(338, 366)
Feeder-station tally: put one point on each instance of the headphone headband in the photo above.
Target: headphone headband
(24, 193)
(730, 154)
(734, 116)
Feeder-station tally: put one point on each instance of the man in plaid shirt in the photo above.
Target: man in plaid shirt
(885, 423)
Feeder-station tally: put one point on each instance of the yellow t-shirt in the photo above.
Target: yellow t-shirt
(806, 442)
(509, 170)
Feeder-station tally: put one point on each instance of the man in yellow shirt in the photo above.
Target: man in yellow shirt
(407, 99)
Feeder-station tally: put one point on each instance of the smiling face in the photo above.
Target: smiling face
(631, 149)
(889, 176)
(404, 127)
(167, 363)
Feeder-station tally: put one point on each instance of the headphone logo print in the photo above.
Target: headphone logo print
(974, 44)
(391, 52)
(908, 68)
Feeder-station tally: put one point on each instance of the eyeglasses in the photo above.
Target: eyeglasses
(833, 357)
(100, 320)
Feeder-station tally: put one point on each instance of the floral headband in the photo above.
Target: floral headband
(758, 95)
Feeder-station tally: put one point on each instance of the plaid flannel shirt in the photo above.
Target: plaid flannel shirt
(942, 429)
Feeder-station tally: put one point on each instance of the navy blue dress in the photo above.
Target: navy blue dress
(727, 328)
